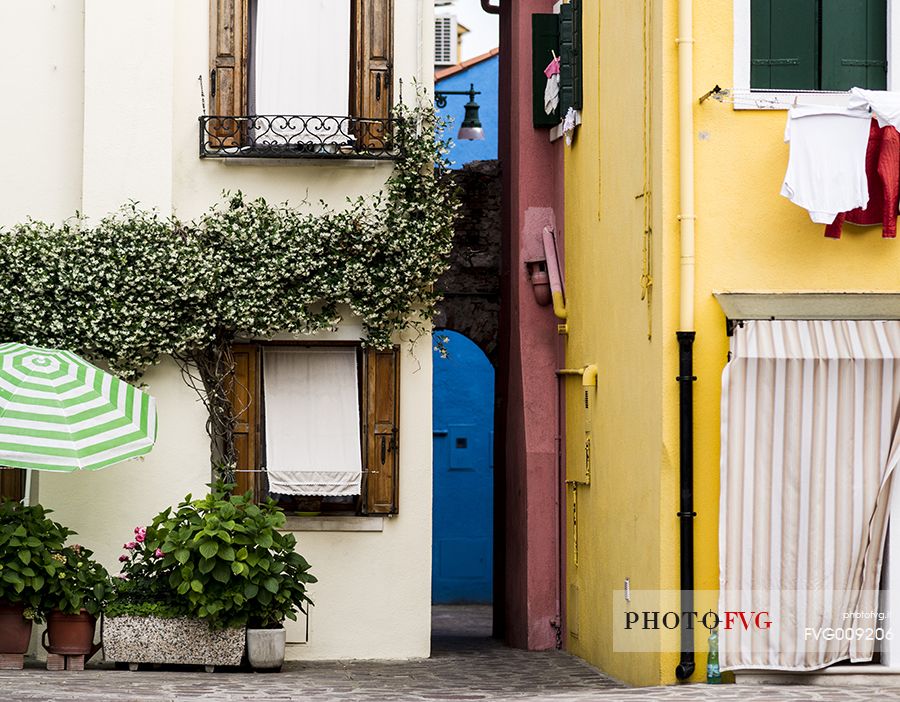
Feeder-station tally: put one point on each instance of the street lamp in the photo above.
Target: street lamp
(470, 129)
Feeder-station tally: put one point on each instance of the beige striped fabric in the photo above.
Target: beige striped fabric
(809, 444)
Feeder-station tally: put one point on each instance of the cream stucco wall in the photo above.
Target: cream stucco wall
(107, 102)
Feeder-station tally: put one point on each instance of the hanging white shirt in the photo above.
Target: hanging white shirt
(885, 105)
(826, 171)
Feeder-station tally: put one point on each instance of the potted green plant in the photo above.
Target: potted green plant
(209, 568)
(29, 541)
(277, 589)
(74, 598)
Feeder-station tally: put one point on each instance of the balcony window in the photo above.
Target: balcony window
(300, 78)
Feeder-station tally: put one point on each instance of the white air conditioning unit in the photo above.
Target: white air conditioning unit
(445, 40)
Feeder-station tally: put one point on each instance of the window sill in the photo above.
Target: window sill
(557, 133)
(748, 99)
(320, 162)
(334, 523)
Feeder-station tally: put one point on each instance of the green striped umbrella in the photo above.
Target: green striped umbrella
(59, 412)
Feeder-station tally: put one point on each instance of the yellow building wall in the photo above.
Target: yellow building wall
(607, 196)
(748, 237)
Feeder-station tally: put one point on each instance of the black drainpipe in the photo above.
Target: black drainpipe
(686, 511)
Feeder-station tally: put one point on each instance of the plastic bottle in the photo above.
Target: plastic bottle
(713, 674)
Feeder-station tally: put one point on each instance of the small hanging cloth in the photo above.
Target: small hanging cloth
(551, 91)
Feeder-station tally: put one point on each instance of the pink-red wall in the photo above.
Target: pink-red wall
(529, 483)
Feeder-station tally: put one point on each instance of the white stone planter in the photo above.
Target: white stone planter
(183, 641)
(265, 648)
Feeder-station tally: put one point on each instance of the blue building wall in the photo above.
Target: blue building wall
(485, 76)
(463, 521)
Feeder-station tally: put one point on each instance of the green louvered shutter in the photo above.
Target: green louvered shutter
(784, 44)
(854, 44)
(577, 54)
(544, 41)
(567, 58)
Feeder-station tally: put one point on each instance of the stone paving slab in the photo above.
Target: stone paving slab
(462, 668)
(487, 672)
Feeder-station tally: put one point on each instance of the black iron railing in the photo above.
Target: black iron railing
(296, 136)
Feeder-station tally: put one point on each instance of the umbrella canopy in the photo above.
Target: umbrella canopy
(59, 412)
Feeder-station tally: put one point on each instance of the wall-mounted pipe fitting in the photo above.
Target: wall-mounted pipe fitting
(490, 9)
(556, 288)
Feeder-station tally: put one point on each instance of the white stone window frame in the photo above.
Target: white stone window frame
(746, 98)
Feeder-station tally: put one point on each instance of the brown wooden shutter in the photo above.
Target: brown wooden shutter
(12, 483)
(245, 399)
(382, 417)
(372, 85)
(228, 70)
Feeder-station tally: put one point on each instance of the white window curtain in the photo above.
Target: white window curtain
(301, 66)
(809, 445)
(312, 424)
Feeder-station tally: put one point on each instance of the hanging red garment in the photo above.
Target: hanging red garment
(883, 176)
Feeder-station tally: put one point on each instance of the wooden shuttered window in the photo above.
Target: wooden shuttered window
(818, 44)
(381, 408)
(854, 44)
(570, 53)
(371, 86)
(372, 36)
(371, 79)
(379, 425)
(244, 391)
(12, 483)
(229, 56)
(544, 43)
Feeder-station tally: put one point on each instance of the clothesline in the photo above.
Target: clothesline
(726, 96)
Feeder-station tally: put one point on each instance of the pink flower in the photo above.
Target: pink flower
(123, 558)
(158, 553)
(140, 533)
(130, 545)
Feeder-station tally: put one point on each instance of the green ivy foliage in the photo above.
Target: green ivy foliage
(137, 286)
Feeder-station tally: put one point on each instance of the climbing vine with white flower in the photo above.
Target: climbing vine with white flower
(137, 286)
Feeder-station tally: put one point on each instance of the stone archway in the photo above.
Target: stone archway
(471, 287)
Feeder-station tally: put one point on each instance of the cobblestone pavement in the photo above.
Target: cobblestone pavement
(463, 667)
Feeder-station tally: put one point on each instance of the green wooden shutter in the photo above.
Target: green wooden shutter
(544, 41)
(854, 44)
(784, 47)
(570, 52)
(577, 53)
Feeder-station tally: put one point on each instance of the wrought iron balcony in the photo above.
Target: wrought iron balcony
(296, 136)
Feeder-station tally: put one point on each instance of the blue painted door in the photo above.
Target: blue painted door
(463, 473)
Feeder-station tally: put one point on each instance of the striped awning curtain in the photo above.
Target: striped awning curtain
(809, 444)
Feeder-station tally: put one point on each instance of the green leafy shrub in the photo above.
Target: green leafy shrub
(80, 583)
(220, 558)
(30, 546)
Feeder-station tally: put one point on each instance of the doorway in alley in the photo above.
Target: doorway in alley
(463, 422)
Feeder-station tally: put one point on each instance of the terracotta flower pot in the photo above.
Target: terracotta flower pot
(15, 629)
(70, 634)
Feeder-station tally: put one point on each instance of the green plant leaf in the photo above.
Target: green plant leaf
(208, 549)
